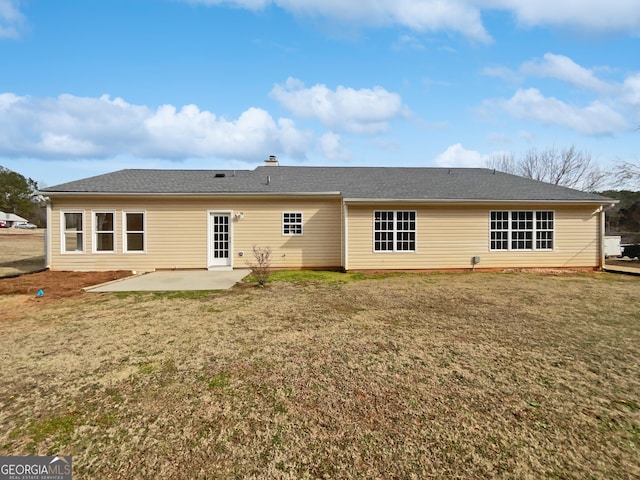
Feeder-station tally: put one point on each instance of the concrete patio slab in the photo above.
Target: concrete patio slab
(630, 269)
(175, 280)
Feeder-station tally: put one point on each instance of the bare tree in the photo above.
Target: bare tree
(628, 173)
(504, 162)
(567, 167)
(260, 266)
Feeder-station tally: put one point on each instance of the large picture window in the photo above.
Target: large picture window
(72, 232)
(134, 232)
(521, 230)
(103, 232)
(394, 231)
(292, 223)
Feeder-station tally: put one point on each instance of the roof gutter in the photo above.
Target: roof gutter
(191, 195)
(461, 201)
(464, 201)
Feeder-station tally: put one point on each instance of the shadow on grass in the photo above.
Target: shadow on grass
(321, 276)
(179, 294)
(24, 265)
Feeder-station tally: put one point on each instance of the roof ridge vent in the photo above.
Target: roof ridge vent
(220, 175)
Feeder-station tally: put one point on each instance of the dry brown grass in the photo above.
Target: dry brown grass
(21, 251)
(407, 376)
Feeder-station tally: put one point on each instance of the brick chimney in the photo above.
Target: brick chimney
(272, 161)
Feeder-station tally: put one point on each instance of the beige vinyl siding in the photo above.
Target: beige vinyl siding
(449, 236)
(176, 232)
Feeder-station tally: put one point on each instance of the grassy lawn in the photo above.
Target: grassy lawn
(511, 375)
(21, 251)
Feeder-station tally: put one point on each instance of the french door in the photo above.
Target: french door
(219, 240)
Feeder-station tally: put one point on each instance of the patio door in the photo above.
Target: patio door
(219, 240)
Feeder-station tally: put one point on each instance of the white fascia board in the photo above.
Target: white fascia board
(477, 201)
(194, 195)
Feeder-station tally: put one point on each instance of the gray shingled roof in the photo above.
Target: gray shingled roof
(354, 183)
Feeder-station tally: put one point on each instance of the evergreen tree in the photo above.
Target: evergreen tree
(16, 193)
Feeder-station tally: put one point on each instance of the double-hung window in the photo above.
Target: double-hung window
(72, 232)
(521, 230)
(133, 232)
(394, 231)
(104, 232)
(544, 230)
(292, 223)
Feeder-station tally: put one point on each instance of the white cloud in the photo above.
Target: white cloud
(631, 90)
(604, 115)
(81, 127)
(559, 67)
(458, 156)
(502, 72)
(329, 146)
(585, 15)
(566, 70)
(461, 16)
(293, 142)
(343, 109)
(12, 21)
(595, 119)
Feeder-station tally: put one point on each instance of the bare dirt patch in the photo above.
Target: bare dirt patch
(22, 251)
(408, 376)
(56, 285)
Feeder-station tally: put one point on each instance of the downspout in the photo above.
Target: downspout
(345, 237)
(602, 210)
(47, 236)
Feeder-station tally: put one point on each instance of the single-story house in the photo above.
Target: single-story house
(10, 219)
(351, 218)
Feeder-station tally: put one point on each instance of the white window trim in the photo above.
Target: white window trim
(395, 231)
(94, 234)
(125, 245)
(293, 224)
(533, 240)
(63, 239)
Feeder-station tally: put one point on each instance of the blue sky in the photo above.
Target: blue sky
(92, 87)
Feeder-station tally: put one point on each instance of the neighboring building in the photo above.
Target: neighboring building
(352, 218)
(612, 246)
(10, 219)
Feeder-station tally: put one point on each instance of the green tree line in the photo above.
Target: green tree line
(17, 193)
(624, 218)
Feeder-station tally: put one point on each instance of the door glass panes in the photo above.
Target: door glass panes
(221, 237)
